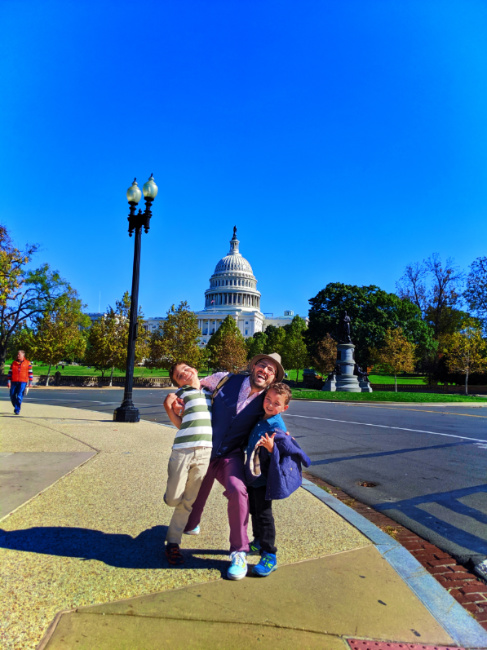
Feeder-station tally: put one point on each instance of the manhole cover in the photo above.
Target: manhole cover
(367, 484)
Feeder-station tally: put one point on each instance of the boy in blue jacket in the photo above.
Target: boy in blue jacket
(273, 471)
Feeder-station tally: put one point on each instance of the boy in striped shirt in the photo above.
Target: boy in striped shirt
(190, 454)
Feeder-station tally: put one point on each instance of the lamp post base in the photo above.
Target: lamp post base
(126, 414)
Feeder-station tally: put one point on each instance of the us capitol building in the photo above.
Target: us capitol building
(232, 292)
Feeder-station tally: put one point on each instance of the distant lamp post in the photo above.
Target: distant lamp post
(127, 412)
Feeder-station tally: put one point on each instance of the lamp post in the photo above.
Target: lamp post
(127, 412)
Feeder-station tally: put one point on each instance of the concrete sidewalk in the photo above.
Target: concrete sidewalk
(81, 546)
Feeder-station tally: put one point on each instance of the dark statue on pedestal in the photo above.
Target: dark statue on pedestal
(344, 329)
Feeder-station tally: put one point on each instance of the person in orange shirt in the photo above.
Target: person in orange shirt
(19, 376)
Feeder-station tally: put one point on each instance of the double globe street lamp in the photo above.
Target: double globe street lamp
(127, 412)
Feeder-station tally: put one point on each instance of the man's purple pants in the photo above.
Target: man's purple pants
(229, 471)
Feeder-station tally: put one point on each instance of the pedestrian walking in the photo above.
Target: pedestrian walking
(19, 377)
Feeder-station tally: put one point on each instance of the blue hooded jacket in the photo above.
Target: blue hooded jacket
(284, 474)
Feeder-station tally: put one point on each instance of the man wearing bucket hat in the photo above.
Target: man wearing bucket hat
(237, 406)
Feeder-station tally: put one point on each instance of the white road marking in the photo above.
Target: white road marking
(384, 426)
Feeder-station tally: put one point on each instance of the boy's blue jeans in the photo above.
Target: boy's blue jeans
(17, 389)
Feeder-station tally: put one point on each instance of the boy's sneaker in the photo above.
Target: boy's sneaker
(238, 567)
(173, 554)
(195, 531)
(255, 548)
(267, 564)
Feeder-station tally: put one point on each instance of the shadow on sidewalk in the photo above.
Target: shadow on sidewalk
(122, 551)
(32, 418)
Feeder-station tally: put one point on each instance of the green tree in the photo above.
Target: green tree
(275, 339)
(226, 348)
(325, 357)
(293, 351)
(476, 291)
(257, 344)
(176, 339)
(25, 294)
(435, 288)
(58, 333)
(396, 354)
(467, 351)
(373, 311)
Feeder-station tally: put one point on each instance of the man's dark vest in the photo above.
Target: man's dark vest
(231, 431)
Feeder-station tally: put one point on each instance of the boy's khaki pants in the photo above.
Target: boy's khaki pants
(186, 471)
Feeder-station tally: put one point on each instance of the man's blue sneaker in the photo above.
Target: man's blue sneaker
(255, 548)
(267, 564)
(195, 531)
(238, 567)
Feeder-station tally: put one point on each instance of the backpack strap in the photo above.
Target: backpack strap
(222, 381)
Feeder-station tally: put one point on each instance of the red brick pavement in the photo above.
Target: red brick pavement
(467, 589)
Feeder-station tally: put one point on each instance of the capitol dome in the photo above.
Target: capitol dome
(233, 282)
(232, 292)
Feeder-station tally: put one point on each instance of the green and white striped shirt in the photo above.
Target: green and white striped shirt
(195, 428)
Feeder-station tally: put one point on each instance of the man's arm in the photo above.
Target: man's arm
(170, 400)
(211, 382)
(9, 376)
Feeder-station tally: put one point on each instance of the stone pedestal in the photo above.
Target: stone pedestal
(330, 384)
(346, 381)
(365, 386)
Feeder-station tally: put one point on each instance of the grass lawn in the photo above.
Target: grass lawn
(85, 371)
(389, 379)
(374, 379)
(382, 396)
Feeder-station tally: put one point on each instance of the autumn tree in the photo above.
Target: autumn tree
(466, 351)
(108, 338)
(59, 332)
(25, 293)
(293, 350)
(105, 343)
(226, 347)
(396, 354)
(325, 356)
(176, 339)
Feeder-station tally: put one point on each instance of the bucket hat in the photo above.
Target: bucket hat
(275, 358)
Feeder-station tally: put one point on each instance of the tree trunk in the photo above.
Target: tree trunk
(48, 373)
(466, 383)
(3, 358)
(395, 383)
(111, 378)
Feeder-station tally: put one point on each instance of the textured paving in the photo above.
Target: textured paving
(96, 535)
(465, 587)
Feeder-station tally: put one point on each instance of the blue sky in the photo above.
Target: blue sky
(344, 139)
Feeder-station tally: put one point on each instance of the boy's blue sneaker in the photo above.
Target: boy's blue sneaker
(267, 564)
(238, 567)
(195, 531)
(255, 548)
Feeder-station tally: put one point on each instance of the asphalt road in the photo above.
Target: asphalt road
(424, 466)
